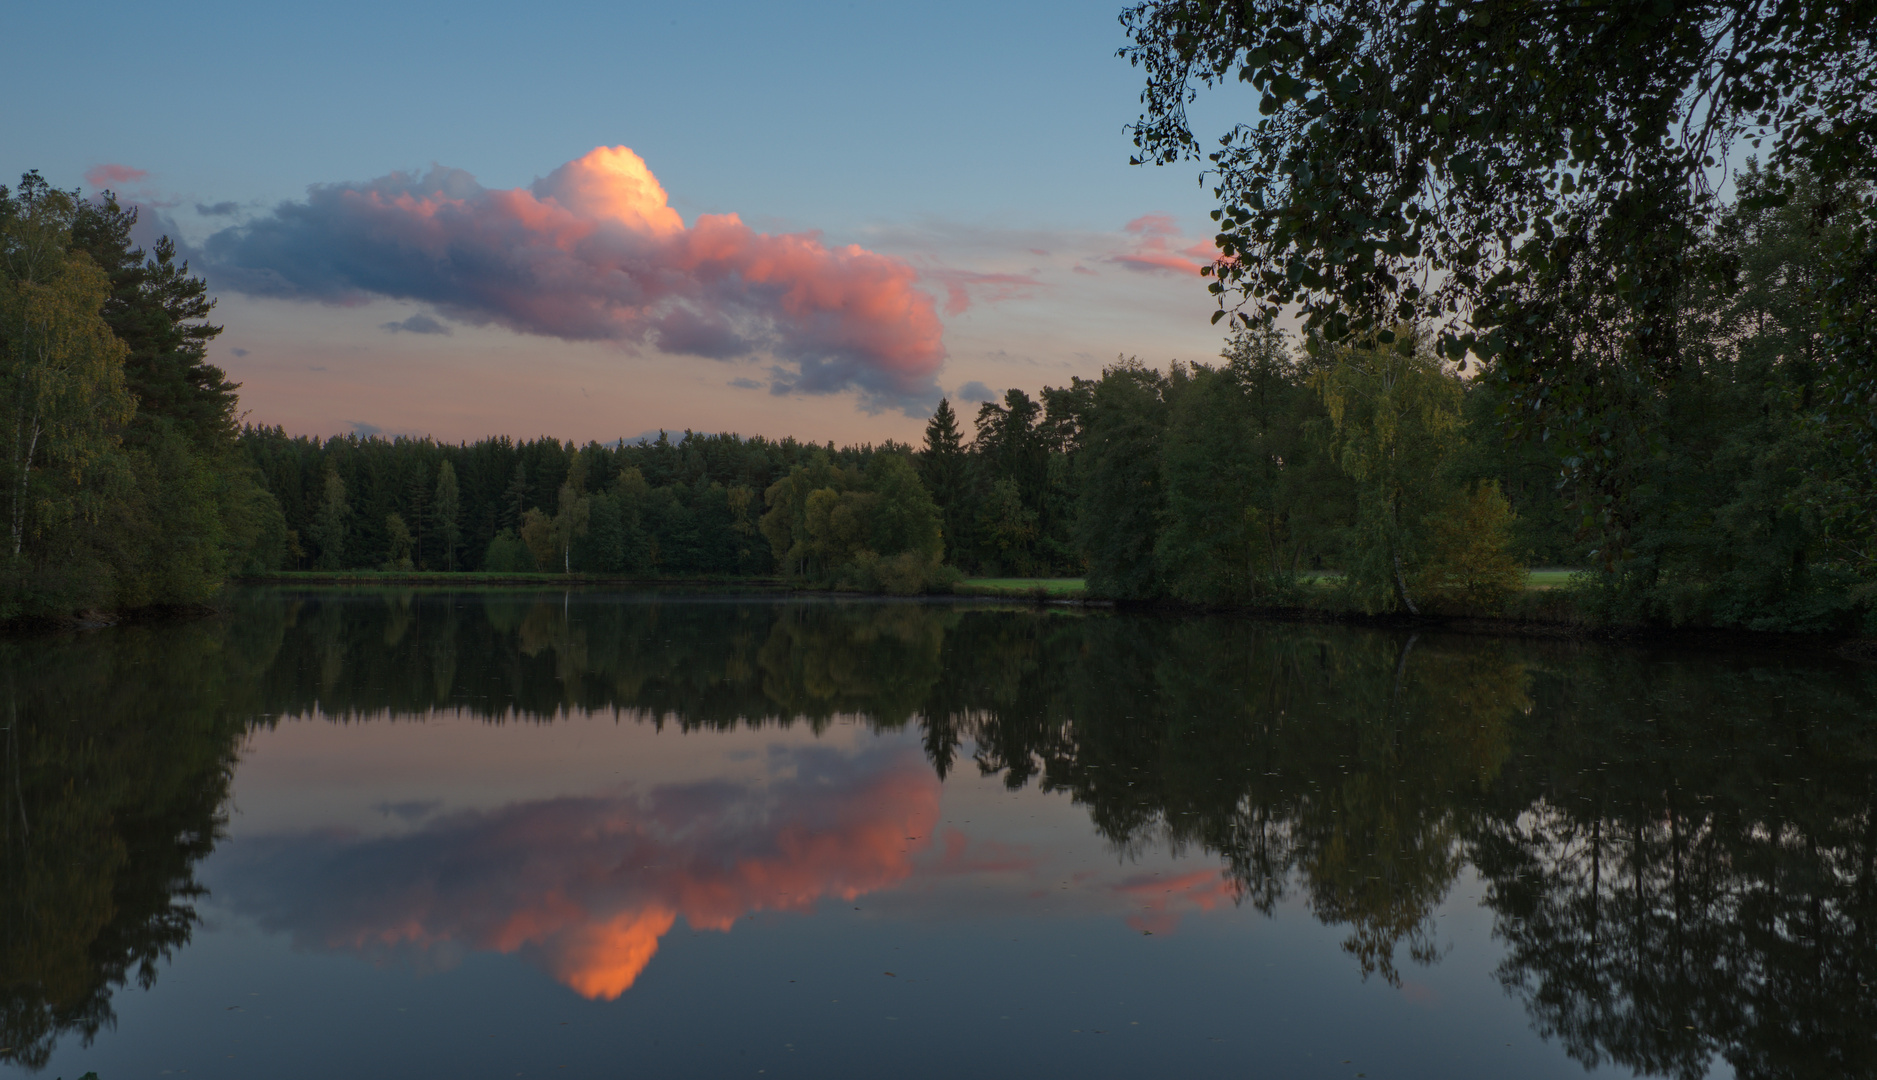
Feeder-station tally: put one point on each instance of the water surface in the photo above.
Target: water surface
(527, 834)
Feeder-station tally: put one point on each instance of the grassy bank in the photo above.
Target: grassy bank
(481, 579)
(1027, 588)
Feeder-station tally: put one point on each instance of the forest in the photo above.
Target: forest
(1288, 472)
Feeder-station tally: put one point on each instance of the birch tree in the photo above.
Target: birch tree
(61, 368)
(1395, 413)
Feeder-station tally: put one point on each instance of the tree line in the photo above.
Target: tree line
(703, 505)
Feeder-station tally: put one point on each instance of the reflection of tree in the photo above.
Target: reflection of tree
(1340, 759)
(1681, 854)
(1336, 759)
(877, 660)
(1682, 859)
(708, 664)
(117, 760)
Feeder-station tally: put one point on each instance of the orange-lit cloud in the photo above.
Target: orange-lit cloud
(586, 887)
(1156, 248)
(593, 251)
(104, 176)
(1161, 900)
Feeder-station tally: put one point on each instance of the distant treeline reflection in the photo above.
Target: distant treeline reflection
(1680, 851)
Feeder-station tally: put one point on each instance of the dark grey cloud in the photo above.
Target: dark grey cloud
(220, 209)
(686, 332)
(239, 352)
(976, 391)
(416, 324)
(674, 436)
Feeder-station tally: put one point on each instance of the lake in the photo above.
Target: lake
(543, 834)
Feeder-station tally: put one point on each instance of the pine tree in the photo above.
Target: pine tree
(417, 497)
(446, 511)
(515, 498)
(943, 469)
(159, 310)
(400, 543)
(332, 512)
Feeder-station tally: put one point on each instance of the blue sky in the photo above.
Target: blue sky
(977, 143)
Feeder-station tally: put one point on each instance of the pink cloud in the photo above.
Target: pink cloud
(594, 252)
(1156, 248)
(99, 176)
(991, 288)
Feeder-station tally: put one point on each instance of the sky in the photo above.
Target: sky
(598, 221)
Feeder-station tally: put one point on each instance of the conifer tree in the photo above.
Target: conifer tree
(159, 311)
(515, 497)
(943, 468)
(331, 535)
(446, 510)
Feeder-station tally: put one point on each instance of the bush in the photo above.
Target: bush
(508, 555)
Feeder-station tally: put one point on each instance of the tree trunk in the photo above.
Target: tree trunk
(22, 468)
(1401, 583)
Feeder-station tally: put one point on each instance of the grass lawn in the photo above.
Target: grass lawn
(1016, 586)
(1541, 577)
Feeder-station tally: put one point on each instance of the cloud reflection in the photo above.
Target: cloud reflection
(1162, 899)
(585, 887)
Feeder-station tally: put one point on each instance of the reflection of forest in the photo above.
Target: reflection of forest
(1679, 851)
(117, 758)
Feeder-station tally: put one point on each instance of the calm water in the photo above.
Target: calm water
(533, 835)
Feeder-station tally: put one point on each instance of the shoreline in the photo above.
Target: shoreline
(1852, 646)
(1529, 624)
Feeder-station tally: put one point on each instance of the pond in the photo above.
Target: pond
(528, 834)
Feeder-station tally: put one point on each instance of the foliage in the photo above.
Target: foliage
(448, 510)
(1534, 186)
(508, 554)
(159, 311)
(63, 368)
(329, 531)
(1399, 140)
(668, 507)
(401, 543)
(1469, 561)
(876, 530)
(122, 486)
(1239, 469)
(944, 469)
(1395, 414)
(1123, 500)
